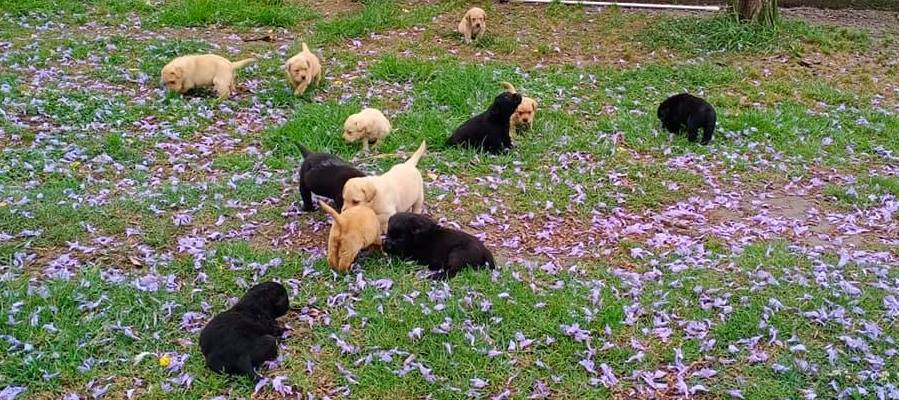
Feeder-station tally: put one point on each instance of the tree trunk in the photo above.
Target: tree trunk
(759, 11)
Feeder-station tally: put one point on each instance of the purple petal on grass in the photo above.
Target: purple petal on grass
(11, 392)
(735, 393)
(259, 385)
(478, 383)
(281, 387)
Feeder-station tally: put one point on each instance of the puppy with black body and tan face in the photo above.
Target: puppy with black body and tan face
(489, 130)
(473, 24)
(369, 125)
(302, 69)
(444, 251)
(523, 117)
(204, 70)
(352, 231)
(398, 190)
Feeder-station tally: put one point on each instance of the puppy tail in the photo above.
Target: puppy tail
(304, 150)
(413, 161)
(306, 48)
(242, 63)
(508, 86)
(331, 211)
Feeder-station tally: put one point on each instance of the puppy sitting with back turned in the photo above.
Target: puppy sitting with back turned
(369, 125)
(352, 231)
(240, 339)
(489, 130)
(202, 70)
(473, 24)
(687, 111)
(445, 251)
(324, 174)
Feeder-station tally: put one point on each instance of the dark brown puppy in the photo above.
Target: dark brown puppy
(685, 110)
(324, 174)
(239, 340)
(489, 130)
(445, 251)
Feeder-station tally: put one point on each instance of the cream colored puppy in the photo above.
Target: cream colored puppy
(356, 229)
(473, 24)
(204, 70)
(370, 125)
(524, 115)
(302, 69)
(401, 189)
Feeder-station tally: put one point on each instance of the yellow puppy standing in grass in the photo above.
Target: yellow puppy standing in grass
(524, 115)
(302, 69)
(370, 125)
(203, 70)
(401, 189)
(473, 24)
(352, 231)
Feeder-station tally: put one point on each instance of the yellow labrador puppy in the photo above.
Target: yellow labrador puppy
(401, 189)
(473, 24)
(354, 230)
(302, 69)
(524, 115)
(204, 70)
(370, 125)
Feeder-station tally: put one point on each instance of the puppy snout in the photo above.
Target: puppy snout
(477, 24)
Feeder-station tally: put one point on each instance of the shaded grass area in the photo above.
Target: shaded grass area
(281, 13)
(725, 33)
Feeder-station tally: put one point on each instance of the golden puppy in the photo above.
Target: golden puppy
(353, 230)
(400, 189)
(370, 125)
(525, 113)
(473, 24)
(302, 69)
(187, 72)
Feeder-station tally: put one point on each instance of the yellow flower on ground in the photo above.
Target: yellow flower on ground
(165, 360)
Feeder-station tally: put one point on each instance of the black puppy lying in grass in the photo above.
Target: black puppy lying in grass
(324, 174)
(445, 251)
(489, 130)
(684, 110)
(239, 340)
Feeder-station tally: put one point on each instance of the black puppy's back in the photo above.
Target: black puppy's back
(324, 174)
(489, 130)
(240, 339)
(444, 250)
(687, 111)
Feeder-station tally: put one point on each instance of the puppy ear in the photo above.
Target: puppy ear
(369, 191)
(534, 102)
(468, 17)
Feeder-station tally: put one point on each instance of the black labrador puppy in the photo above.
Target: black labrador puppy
(685, 110)
(324, 174)
(239, 340)
(444, 250)
(489, 130)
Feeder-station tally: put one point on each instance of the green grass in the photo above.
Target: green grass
(282, 13)
(723, 33)
(232, 167)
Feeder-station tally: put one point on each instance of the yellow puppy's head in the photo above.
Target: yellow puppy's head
(353, 128)
(343, 242)
(476, 18)
(173, 77)
(299, 70)
(358, 192)
(526, 110)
